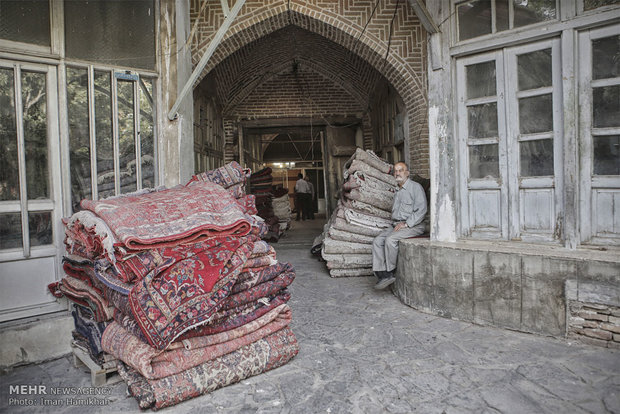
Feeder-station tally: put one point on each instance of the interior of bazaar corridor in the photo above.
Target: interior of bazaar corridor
(304, 104)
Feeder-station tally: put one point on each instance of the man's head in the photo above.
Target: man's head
(300, 176)
(401, 172)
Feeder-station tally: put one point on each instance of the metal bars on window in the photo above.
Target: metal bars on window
(21, 155)
(111, 101)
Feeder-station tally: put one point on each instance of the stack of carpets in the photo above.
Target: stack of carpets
(260, 187)
(363, 211)
(282, 207)
(91, 313)
(87, 336)
(198, 301)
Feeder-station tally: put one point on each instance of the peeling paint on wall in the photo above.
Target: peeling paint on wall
(443, 226)
(445, 216)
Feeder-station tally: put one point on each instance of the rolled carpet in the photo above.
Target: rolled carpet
(358, 165)
(345, 236)
(341, 224)
(370, 158)
(338, 246)
(344, 261)
(362, 271)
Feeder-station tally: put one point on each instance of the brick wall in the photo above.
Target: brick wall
(231, 148)
(334, 43)
(594, 323)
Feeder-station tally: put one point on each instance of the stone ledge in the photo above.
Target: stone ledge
(36, 340)
(603, 254)
(513, 285)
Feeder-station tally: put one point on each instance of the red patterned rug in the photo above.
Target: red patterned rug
(166, 304)
(173, 216)
(263, 355)
(227, 176)
(180, 356)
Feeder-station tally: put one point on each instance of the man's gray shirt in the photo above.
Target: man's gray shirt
(409, 204)
(301, 186)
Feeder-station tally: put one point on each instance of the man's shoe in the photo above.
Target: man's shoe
(380, 274)
(385, 282)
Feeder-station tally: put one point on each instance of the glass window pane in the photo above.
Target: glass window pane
(9, 177)
(528, 11)
(127, 144)
(536, 157)
(534, 69)
(606, 155)
(147, 142)
(34, 102)
(79, 140)
(120, 33)
(474, 18)
(593, 4)
(481, 80)
(501, 15)
(483, 161)
(482, 120)
(25, 21)
(10, 230)
(606, 57)
(40, 228)
(103, 132)
(536, 114)
(606, 106)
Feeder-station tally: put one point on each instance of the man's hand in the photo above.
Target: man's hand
(401, 225)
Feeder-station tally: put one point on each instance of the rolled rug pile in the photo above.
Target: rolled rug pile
(363, 211)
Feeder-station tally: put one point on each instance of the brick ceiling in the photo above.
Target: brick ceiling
(255, 64)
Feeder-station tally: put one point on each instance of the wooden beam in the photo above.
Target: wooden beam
(219, 35)
(224, 7)
(425, 17)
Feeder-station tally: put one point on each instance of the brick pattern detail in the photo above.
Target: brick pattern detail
(231, 149)
(340, 24)
(594, 324)
(303, 94)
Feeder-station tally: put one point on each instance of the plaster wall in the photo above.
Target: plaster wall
(176, 143)
(35, 341)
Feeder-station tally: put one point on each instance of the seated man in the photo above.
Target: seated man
(408, 212)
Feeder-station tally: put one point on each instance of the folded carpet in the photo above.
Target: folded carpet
(263, 355)
(338, 246)
(174, 216)
(152, 363)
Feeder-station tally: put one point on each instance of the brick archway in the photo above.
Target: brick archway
(343, 25)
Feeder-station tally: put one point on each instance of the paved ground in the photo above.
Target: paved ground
(363, 351)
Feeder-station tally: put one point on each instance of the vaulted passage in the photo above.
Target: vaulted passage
(299, 102)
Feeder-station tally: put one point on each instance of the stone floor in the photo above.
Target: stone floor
(363, 351)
